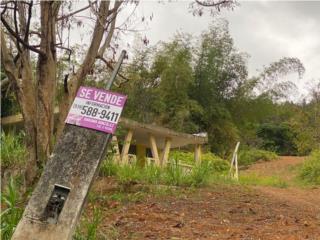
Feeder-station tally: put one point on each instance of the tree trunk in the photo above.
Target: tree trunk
(21, 77)
(27, 102)
(46, 80)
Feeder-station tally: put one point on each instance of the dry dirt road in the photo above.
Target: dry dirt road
(217, 212)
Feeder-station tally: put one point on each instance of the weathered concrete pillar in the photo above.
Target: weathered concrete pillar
(55, 205)
(126, 146)
(141, 155)
(154, 150)
(165, 152)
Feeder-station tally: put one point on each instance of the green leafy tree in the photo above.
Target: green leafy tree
(219, 71)
(172, 67)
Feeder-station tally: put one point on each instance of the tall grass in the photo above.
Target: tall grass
(201, 173)
(89, 229)
(13, 151)
(173, 174)
(12, 213)
(310, 170)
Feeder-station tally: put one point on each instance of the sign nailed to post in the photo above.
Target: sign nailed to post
(68, 174)
(96, 109)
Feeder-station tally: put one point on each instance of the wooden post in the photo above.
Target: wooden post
(236, 175)
(141, 155)
(154, 150)
(115, 149)
(165, 152)
(126, 146)
(197, 153)
(234, 163)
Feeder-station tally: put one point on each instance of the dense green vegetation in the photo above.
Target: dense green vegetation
(201, 85)
(13, 150)
(310, 171)
(12, 211)
(252, 155)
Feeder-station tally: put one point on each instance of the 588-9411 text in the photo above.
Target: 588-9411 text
(103, 114)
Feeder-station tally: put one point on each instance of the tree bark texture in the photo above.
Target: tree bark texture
(36, 92)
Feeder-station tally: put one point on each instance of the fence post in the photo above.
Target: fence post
(234, 163)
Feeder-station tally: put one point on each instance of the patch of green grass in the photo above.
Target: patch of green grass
(13, 151)
(151, 174)
(12, 213)
(200, 174)
(88, 229)
(128, 174)
(250, 156)
(310, 170)
(255, 180)
(221, 179)
(108, 168)
(173, 174)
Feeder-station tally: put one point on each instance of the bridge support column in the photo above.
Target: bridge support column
(154, 150)
(165, 152)
(126, 146)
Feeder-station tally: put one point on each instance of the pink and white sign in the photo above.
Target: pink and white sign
(96, 109)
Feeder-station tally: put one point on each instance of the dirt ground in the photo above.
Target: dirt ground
(218, 212)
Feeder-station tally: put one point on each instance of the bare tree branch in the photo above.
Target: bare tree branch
(7, 61)
(212, 3)
(16, 25)
(7, 2)
(106, 44)
(75, 12)
(67, 49)
(95, 42)
(7, 26)
(109, 65)
(26, 36)
(35, 33)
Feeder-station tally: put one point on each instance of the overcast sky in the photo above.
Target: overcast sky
(266, 30)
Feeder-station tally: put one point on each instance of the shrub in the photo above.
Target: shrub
(310, 170)
(247, 157)
(186, 157)
(279, 138)
(13, 151)
(12, 213)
